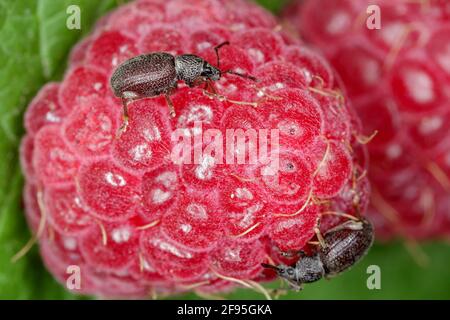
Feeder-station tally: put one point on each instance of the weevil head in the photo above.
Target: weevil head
(306, 270)
(190, 68)
(210, 72)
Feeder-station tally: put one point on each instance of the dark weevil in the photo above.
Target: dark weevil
(157, 73)
(344, 247)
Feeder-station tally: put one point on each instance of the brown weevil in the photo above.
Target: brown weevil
(157, 73)
(344, 247)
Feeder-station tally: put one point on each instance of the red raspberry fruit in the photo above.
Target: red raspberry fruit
(398, 78)
(135, 221)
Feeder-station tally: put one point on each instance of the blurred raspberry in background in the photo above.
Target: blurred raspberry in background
(398, 78)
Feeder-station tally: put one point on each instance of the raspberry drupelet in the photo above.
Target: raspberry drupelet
(140, 225)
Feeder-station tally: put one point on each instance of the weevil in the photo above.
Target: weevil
(344, 246)
(157, 73)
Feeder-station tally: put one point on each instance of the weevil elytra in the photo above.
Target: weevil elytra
(344, 247)
(157, 73)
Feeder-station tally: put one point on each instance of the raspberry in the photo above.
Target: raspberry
(84, 82)
(65, 211)
(134, 219)
(111, 247)
(285, 230)
(44, 109)
(398, 78)
(143, 146)
(111, 192)
(52, 156)
(91, 133)
(169, 259)
(110, 49)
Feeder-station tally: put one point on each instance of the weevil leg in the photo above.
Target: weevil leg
(125, 109)
(328, 277)
(294, 285)
(124, 125)
(197, 82)
(319, 236)
(170, 104)
(278, 292)
(348, 225)
(223, 98)
(209, 86)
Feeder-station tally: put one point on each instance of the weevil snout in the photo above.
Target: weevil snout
(269, 266)
(210, 72)
(283, 271)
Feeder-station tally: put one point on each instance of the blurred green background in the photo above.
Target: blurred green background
(34, 44)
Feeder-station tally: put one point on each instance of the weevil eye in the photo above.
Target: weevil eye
(210, 72)
(206, 69)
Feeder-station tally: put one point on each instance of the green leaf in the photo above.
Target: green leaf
(34, 43)
(273, 5)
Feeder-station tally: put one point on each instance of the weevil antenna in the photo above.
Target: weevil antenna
(270, 266)
(216, 49)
